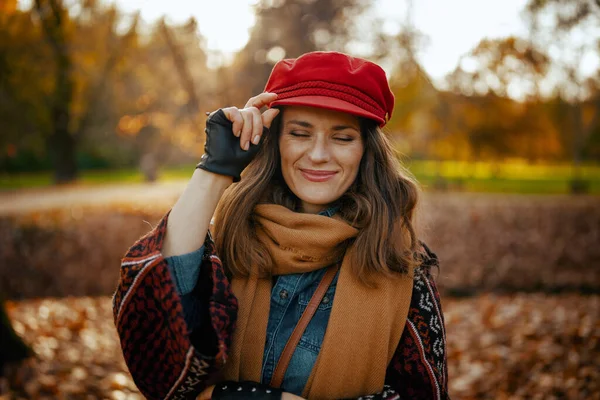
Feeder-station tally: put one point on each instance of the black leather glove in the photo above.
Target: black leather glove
(230, 390)
(222, 152)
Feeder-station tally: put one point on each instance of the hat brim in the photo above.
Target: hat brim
(328, 103)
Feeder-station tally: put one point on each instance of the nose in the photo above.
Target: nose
(319, 152)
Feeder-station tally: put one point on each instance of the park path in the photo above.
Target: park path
(42, 199)
(164, 195)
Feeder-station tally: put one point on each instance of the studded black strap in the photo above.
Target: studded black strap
(230, 390)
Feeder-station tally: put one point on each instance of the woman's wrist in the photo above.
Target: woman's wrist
(190, 216)
(211, 180)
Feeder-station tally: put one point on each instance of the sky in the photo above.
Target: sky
(452, 27)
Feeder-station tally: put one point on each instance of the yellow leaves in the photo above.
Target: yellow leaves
(130, 125)
(8, 7)
(145, 100)
(163, 121)
(180, 97)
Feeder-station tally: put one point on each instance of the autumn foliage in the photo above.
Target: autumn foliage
(86, 85)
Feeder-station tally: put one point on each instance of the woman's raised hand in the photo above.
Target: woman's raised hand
(248, 122)
(233, 136)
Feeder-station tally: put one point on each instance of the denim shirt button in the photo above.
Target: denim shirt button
(283, 294)
(325, 300)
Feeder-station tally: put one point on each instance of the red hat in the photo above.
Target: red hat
(334, 81)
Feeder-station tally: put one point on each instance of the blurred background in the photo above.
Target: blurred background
(102, 110)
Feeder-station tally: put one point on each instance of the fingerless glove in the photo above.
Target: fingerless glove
(222, 152)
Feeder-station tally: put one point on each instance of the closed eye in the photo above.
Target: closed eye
(298, 134)
(344, 139)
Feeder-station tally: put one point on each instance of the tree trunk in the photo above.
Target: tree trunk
(578, 184)
(187, 80)
(63, 147)
(61, 143)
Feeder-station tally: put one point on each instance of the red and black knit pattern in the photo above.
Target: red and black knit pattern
(223, 305)
(145, 250)
(151, 326)
(149, 319)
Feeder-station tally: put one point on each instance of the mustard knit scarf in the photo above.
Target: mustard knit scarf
(365, 324)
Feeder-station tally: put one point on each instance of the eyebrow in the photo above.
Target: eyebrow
(309, 125)
(342, 127)
(301, 123)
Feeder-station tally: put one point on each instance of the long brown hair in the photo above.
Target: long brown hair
(380, 203)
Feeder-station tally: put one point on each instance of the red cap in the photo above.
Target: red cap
(334, 81)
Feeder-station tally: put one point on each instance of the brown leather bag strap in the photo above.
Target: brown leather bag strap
(309, 312)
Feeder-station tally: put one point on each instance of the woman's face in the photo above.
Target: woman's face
(320, 154)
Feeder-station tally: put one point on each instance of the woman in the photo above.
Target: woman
(315, 284)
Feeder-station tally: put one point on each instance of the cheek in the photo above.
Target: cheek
(350, 159)
(285, 152)
(288, 154)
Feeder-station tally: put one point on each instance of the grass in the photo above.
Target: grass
(508, 177)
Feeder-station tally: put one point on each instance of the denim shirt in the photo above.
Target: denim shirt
(289, 297)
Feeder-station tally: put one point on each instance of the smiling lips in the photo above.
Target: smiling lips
(317, 176)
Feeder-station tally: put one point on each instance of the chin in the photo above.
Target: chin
(317, 201)
(317, 196)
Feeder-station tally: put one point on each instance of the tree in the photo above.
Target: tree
(61, 142)
(116, 97)
(492, 75)
(287, 29)
(25, 84)
(162, 92)
(415, 95)
(65, 129)
(508, 67)
(571, 30)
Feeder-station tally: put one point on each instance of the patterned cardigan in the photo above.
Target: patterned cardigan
(167, 361)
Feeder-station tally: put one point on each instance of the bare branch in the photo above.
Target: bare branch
(96, 90)
(184, 73)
